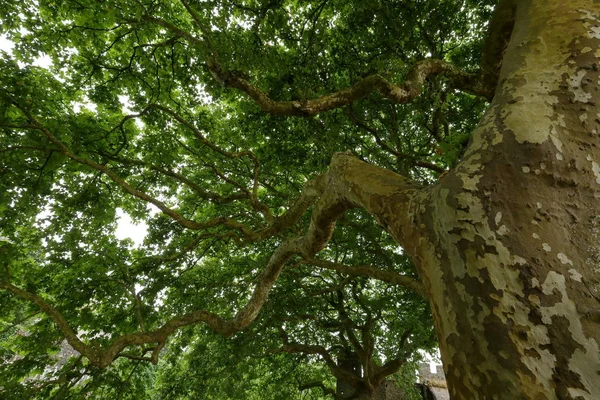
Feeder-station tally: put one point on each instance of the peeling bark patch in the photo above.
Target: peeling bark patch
(503, 230)
(563, 377)
(564, 259)
(575, 275)
(575, 86)
(546, 247)
(562, 319)
(596, 171)
(591, 22)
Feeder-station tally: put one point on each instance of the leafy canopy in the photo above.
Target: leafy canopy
(154, 109)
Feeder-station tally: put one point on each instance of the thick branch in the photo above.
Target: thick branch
(403, 93)
(390, 367)
(311, 191)
(389, 197)
(399, 93)
(478, 84)
(62, 323)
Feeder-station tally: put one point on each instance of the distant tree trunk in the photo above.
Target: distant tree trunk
(386, 390)
(508, 243)
(351, 363)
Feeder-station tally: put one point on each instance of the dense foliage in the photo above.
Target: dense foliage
(137, 113)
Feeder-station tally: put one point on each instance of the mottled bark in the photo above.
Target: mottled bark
(509, 252)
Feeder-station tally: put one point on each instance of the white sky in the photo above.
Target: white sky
(6, 44)
(126, 228)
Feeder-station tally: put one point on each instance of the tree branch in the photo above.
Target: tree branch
(320, 385)
(276, 225)
(336, 371)
(388, 368)
(384, 146)
(342, 188)
(391, 366)
(373, 272)
(403, 93)
(203, 194)
(198, 134)
(62, 323)
(185, 222)
(349, 327)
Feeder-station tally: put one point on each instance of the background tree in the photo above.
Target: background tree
(348, 325)
(236, 114)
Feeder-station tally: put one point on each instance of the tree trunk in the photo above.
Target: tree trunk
(509, 241)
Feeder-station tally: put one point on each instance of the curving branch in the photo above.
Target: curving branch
(62, 323)
(372, 272)
(183, 221)
(387, 369)
(393, 365)
(398, 93)
(316, 384)
(275, 225)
